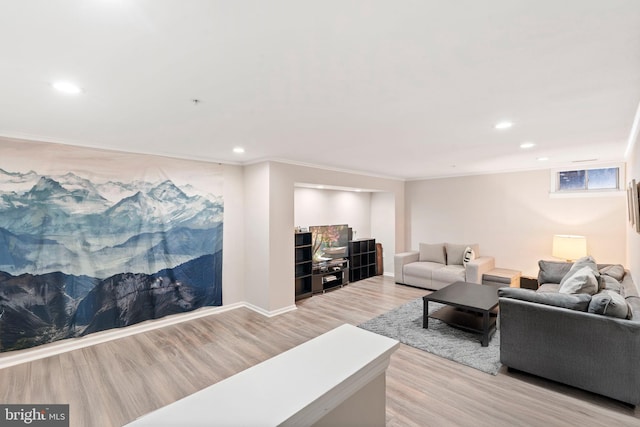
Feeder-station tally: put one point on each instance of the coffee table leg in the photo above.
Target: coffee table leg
(425, 314)
(485, 329)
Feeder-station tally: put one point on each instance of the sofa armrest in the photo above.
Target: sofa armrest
(399, 260)
(474, 269)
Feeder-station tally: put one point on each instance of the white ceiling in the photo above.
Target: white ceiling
(406, 88)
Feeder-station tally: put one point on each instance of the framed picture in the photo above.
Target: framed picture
(635, 205)
(629, 205)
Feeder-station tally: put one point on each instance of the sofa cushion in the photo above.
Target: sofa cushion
(609, 303)
(552, 271)
(579, 302)
(449, 273)
(548, 287)
(616, 271)
(433, 253)
(580, 281)
(455, 253)
(421, 269)
(609, 283)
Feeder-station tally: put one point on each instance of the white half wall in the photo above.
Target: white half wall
(512, 217)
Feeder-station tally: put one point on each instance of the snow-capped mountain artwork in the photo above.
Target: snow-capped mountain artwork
(83, 251)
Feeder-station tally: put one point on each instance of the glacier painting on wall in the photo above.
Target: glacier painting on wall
(92, 240)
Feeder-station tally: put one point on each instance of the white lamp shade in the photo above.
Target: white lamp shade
(569, 247)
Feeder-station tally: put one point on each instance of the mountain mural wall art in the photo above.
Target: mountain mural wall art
(92, 240)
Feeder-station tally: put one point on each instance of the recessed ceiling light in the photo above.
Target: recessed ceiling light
(320, 187)
(238, 150)
(503, 125)
(358, 190)
(527, 145)
(543, 159)
(67, 87)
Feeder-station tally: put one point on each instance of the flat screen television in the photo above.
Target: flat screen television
(329, 242)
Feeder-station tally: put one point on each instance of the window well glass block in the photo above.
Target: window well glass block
(599, 179)
(572, 180)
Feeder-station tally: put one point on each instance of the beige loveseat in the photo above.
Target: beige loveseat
(435, 266)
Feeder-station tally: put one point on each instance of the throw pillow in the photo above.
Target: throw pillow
(615, 271)
(455, 253)
(586, 261)
(581, 281)
(469, 255)
(609, 283)
(552, 271)
(610, 304)
(432, 253)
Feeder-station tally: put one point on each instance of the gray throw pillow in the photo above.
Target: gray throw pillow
(634, 307)
(433, 253)
(615, 271)
(552, 271)
(578, 302)
(610, 304)
(581, 281)
(586, 261)
(455, 253)
(609, 283)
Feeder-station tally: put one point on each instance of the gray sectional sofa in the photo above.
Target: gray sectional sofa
(581, 328)
(435, 266)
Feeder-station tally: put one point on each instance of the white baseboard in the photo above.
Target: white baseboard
(46, 350)
(266, 313)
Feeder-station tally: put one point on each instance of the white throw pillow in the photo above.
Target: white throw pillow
(581, 281)
(469, 255)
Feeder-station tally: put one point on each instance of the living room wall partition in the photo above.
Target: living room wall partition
(92, 240)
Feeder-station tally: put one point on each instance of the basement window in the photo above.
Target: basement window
(587, 180)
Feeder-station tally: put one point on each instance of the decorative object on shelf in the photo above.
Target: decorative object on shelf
(569, 247)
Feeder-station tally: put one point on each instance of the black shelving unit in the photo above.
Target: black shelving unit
(362, 259)
(303, 265)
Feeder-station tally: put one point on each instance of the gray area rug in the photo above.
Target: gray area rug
(405, 325)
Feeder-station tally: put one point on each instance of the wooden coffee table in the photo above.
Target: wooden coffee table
(468, 306)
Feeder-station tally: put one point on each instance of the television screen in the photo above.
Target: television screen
(329, 242)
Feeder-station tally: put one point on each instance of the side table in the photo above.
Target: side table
(502, 277)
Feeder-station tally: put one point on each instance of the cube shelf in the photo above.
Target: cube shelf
(362, 259)
(303, 265)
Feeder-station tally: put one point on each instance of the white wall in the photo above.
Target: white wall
(370, 214)
(282, 179)
(233, 273)
(513, 218)
(382, 212)
(256, 235)
(325, 207)
(633, 238)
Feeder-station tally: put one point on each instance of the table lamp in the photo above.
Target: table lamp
(569, 247)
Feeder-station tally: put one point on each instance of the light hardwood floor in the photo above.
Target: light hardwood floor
(112, 383)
